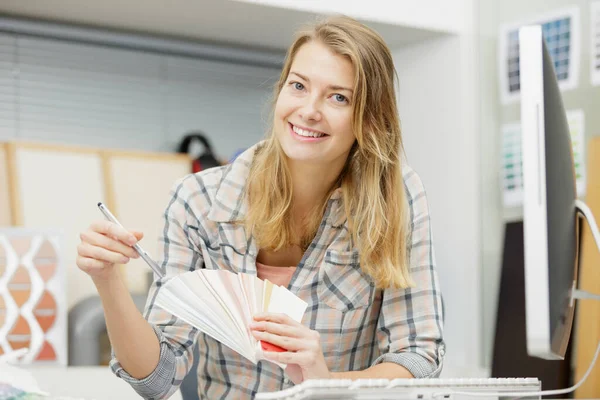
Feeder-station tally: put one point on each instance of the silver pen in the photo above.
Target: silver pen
(145, 256)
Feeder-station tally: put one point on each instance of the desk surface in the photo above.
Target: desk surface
(84, 383)
(99, 383)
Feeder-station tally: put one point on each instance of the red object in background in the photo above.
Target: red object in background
(196, 167)
(266, 346)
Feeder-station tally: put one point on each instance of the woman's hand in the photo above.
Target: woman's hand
(103, 245)
(304, 355)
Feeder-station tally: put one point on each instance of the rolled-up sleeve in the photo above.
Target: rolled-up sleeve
(410, 324)
(178, 254)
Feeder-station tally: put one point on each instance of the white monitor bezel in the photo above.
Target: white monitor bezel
(535, 224)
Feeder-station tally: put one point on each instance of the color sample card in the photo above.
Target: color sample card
(10, 392)
(512, 160)
(561, 31)
(595, 42)
(512, 165)
(576, 119)
(33, 308)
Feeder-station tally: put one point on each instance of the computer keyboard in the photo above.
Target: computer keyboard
(419, 389)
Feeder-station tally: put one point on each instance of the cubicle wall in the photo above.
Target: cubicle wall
(587, 323)
(138, 186)
(59, 187)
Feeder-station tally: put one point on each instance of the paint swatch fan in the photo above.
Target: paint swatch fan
(221, 304)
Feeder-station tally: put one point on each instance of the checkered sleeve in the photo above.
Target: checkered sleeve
(411, 321)
(179, 254)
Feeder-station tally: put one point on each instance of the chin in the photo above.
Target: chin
(298, 154)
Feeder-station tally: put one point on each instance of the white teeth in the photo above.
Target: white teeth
(304, 132)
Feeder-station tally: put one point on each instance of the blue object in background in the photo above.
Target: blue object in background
(236, 155)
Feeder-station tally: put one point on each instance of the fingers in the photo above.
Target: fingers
(281, 330)
(303, 344)
(303, 358)
(100, 254)
(114, 231)
(90, 265)
(138, 235)
(99, 240)
(105, 244)
(277, 318)
(288, 343)
(278, 329)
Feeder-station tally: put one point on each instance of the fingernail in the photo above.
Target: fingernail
(132, 240)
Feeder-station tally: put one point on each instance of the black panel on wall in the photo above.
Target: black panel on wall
(510, 344)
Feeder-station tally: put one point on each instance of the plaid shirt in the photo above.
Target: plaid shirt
(359, 325)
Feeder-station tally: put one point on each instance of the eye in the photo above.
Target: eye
(340, 98)
(297, 85)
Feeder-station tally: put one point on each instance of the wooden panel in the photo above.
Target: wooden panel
(139, 185)
(588, 311)
(5, 206)
(58, 187)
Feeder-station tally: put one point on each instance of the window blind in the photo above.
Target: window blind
(105, 96)
(66, 90)
(7, 87)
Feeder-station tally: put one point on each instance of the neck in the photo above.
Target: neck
(311, 182)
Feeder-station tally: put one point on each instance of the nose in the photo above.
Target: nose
(311, 109)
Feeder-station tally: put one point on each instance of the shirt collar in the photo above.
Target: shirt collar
(229, 204)
(337, 216)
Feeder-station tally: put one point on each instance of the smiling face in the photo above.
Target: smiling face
(314, 110)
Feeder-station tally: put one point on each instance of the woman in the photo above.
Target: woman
(324, 206)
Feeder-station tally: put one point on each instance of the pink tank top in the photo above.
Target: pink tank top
(278, 275)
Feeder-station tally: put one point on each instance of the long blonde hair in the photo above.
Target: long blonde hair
(371, 181)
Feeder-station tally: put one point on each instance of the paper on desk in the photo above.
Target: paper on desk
(17, 377)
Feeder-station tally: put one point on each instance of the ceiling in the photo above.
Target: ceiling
(222, 21)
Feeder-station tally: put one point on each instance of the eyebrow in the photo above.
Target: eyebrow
(333, 87)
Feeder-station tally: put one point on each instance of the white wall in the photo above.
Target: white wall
(443, 15)
(437, 110)
(491, 201)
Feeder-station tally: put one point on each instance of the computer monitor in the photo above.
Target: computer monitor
(550, 219)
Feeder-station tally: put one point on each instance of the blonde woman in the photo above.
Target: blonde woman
(324, 206)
